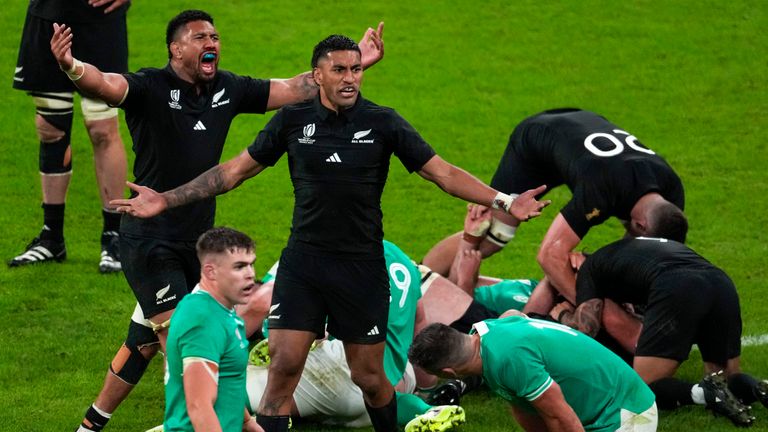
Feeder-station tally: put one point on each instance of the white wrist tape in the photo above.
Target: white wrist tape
(72, 72)
(500, 233)
(502, 201)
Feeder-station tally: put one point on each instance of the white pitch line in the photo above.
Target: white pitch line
(754, 340)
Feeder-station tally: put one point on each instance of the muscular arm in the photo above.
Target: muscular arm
(555, 411)
(200, 392)
(553, 257)
(217, 180)
(461, 184)
(587, 318)
(109, 87)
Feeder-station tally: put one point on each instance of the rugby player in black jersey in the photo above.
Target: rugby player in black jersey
(339, 146)
(179, 117)
(609, 172)
(686, 300)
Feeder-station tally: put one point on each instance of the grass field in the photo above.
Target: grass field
(688, 78)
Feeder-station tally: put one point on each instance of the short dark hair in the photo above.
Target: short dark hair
(438, 346)
(332, 43)
(180, 21)
(668, 221)
(222, 239)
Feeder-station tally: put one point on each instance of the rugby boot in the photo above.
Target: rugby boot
(722, 402)
(38, 251)
(437, 419)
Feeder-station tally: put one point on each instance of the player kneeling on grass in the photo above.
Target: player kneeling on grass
(686, 300)
(207, 351)
(556, 378)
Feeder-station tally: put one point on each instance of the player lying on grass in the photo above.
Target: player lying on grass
(556, 378)
(686, 300)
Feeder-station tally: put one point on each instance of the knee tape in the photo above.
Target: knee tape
(56, 109)
(130, 363)
(500, 233)
(95, 109)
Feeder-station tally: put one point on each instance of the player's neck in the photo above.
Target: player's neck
(212, 288)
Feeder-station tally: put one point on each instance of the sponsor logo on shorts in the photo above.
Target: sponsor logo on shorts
(16, 72)
(160, 295)
(272, 309)
(174, 102)
(309, 130)
(216, 97)
(356, 138)
(374, 331)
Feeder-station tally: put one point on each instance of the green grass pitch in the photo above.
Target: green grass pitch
(688, 78)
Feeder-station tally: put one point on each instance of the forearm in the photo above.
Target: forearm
(208, 184)
(558, 271)
(92, 82)
(203, 418)
(564, 423)
(464, 185)
(291, 91)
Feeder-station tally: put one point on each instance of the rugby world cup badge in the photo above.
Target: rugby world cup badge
(308, 130)
(174, 102)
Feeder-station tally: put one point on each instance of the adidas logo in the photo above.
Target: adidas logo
(374, 331)
(334, 158)
(199, 126)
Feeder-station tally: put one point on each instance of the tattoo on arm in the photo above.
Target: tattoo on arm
(308, 87)
(205, 185)
(587, 317)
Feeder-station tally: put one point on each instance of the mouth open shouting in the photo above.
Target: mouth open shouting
(208, 63)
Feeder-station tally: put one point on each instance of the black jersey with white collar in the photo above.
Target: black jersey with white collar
(339, 164)
(179, 134)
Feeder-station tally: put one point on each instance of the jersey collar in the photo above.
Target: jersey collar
(186, 86)
(348, 114)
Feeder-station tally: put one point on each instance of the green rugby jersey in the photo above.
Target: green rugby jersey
(505, 295)
(523, 356)
(405, 292)
(202, 327)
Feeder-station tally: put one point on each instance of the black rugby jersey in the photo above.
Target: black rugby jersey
(73, 11)
(177, 135)
(339, 164)
(625, 270)
(606, 168)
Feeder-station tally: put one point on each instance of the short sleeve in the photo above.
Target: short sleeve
(589, 206)
(254, 94)
(268, 147)
(408, 145)
(138, 82)
(203, 341)
(523, 371)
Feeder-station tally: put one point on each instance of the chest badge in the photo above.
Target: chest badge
(358, 136)
(308, 130)
(216, 100)
(174, 102)
(593, 214)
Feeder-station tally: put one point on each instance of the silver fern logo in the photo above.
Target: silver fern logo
(216, 97)
(357, 137)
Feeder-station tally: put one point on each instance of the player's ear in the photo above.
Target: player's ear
(448, 372)
(175, 50)
(317, 75)
(209, 270)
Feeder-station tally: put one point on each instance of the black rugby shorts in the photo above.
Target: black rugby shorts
(352, 295)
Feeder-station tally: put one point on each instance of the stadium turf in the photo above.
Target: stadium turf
(686, 77)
